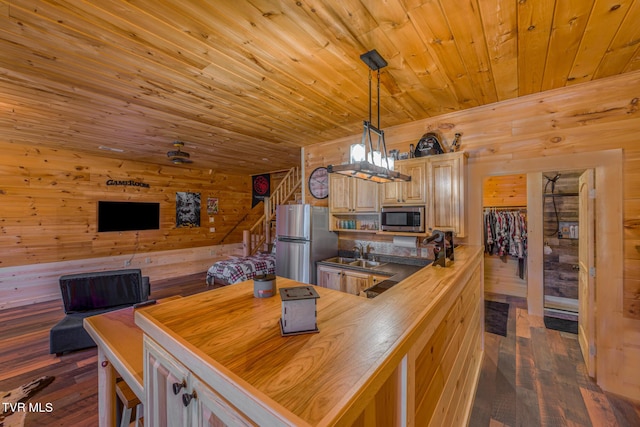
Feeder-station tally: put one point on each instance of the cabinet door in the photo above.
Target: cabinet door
(209, 409)
(163, 377)
(445, 181)
(390, 193)
(414, 191)
(330, 278)
(354, 282)
(375, 279)
(339, 193)
(365, 195)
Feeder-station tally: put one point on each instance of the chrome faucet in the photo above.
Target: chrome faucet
(361, 251)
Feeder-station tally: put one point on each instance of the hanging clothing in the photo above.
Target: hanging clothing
(505, 234)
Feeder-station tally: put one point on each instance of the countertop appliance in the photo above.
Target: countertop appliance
(443, 246)
(402, 218)
(302, 239)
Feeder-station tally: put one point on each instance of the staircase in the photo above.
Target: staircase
(260, 234)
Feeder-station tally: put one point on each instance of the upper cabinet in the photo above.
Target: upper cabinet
(407, 193)
(445, 185)
(437, 183)
(351, 195)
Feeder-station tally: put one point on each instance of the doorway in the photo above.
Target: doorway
(561, 229)
(607, 237)
(504, 218)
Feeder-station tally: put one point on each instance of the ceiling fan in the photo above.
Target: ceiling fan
(178, 156)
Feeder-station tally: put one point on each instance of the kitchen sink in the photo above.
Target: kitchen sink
(366, 263)
(340, 260)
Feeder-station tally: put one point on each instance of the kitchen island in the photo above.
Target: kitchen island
(409, 357)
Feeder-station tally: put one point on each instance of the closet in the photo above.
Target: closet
(505, 234)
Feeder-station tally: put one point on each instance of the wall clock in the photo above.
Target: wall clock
(319, 183)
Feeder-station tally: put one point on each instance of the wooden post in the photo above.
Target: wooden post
(106, 391)
(246, 242)
(267, 233)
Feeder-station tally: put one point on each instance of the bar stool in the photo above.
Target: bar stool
(130, 403)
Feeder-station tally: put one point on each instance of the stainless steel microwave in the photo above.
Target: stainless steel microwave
(407, 219)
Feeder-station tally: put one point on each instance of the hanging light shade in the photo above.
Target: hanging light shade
(365, 162)
(357, 153)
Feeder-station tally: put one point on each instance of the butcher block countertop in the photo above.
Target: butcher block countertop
(232, 341)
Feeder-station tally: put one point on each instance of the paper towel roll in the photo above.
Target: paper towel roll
(404, 241)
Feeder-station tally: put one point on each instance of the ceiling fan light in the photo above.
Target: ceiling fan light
(178, 156)
(178, 153)
(180, 160)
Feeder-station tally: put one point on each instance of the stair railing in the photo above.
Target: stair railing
(260, 233)
(254, 238)
(283, 192)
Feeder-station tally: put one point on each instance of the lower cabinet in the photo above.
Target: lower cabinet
(355, 281)
(330, 278)
(346, 280)
(176, 397)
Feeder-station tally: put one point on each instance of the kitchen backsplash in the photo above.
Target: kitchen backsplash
(388, 247)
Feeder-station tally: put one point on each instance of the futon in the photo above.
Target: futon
(239, 269)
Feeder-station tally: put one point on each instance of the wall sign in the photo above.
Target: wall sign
(261, 188)
(212, 205)
(129, 183)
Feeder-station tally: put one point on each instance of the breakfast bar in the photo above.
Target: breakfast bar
(409, 357)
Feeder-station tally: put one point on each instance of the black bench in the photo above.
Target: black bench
(88, 294)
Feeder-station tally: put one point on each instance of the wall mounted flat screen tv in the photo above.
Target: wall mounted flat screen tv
(128, 216)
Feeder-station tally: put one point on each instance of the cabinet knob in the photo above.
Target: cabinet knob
(179, 386)
(187, 398)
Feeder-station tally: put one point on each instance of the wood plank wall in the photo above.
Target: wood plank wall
(586, 117)
(504, 190)
(49, 200)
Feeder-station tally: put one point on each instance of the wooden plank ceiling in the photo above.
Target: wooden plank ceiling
(245, 84)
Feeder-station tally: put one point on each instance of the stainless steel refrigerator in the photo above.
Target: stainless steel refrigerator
(302, 238)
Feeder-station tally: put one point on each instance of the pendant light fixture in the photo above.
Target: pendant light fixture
(365, 162)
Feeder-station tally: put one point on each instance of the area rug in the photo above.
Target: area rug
(496, 316)
(562, 325)
(15, 405)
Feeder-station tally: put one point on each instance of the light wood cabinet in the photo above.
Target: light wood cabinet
(176, 397)
(351, 195)
(437, 182)
(446, 182)
(346, 280)
(355, 281)
(330, 278)
(375, 279)
(407, 193)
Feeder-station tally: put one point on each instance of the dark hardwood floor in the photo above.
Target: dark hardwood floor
(536, 377)
(531, 377)
(24, 356)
